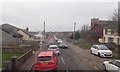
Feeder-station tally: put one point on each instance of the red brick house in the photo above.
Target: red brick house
(94, 33)
(97, 27)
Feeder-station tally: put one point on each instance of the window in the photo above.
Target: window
(117, 64)
(44, 58)
(110, 40)
(102, 47)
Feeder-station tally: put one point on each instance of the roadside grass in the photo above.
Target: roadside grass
(83, 44)
(115, 56)
(0, 60)
(8, 55)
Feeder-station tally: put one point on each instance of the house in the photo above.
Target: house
(36, 35)
(96, 30)
(110, 35)
(26, 35)
(20, 34)
(9, 34)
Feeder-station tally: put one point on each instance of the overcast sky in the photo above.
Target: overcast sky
(59, 16)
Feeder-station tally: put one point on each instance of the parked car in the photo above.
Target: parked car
(54, 48)
(63, 45)
(40, 44)
(46, 61)
(59, 41)
(51, 43)
(112, 66)
(111, 46)
(101, 51)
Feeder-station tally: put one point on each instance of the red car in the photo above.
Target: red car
(46, 61)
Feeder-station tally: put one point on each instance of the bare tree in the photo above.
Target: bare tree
(84, 30)
(114, 17)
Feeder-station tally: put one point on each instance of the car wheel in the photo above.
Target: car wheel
(58, 54)
(91, 51)
(104, 67)
(99, 54)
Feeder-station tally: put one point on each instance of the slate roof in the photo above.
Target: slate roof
(11, 30)
(105, 24)
(27, 32)
(34, 33)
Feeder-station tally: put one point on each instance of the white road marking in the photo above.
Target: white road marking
(67, 70)
(31, 67)
(96, 67)
(0, 69)
(63, 60)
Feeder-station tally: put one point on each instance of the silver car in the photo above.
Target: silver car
(54, 48)
(112, 66)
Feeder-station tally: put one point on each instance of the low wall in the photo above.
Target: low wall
(7, 66)
(24, 57)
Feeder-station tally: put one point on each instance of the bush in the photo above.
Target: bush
(77, 35)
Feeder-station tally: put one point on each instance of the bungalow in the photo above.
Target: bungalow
(36, 35)
(26, 35)
(9, 34)
(20, 34)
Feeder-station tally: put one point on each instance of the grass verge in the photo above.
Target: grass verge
(115, 56)
(8, 55)
(83, 44)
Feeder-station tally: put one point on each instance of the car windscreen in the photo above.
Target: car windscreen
(53, 47)
(44, 58)
(118, 64)
(102, 47)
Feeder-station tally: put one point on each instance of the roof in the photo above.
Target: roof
(118, 60)
(46, 53)
(113, 27)
(53, 46)
(11, 30)
(25, 31)
(34, 33)
(106, 23)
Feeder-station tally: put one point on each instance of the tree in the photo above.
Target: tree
(114, 17)
(77, 35)
(84, 30)
(72, 36)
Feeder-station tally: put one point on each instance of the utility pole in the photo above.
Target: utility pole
(44, 30)
(44, 26)
(74, 27)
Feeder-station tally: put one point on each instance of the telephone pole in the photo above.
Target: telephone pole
(44, 26)
(44, 30)
(74, 27)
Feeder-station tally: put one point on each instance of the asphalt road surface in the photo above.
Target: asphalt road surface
(70, 60)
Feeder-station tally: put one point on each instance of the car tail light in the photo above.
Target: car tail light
(51, 62)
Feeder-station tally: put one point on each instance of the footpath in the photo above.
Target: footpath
(27, 65)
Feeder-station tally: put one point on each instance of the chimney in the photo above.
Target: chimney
(27, 29)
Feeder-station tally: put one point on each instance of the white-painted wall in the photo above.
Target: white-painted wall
(25, 36)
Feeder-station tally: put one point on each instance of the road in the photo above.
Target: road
(77, 59)
(68, 60)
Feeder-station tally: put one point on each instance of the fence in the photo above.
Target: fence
(16, 62)
(27, 47)
(23, 46)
